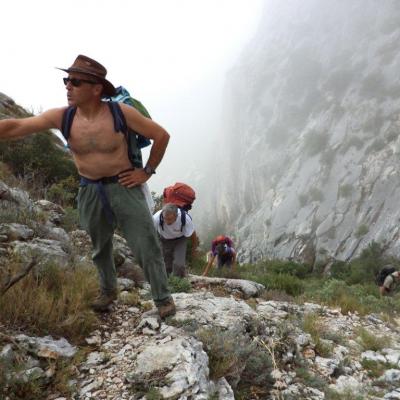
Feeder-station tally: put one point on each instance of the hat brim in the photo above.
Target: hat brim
(108, 87)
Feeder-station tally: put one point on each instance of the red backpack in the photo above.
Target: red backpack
(180, 194)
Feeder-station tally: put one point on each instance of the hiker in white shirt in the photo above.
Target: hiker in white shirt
(174, 227)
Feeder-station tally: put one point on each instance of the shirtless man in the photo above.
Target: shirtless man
(108, 180)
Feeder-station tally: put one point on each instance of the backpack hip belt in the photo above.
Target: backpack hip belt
(83, 181)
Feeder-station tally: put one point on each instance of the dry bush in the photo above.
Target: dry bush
(314, 325)
(51, 300)
(245, 365)
(369, 341)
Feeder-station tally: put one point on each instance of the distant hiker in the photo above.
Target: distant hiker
(221, 249)
(388, 278)
(110, 193)
(174, 226)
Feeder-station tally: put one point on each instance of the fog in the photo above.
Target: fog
(172, 55)
(310, 165)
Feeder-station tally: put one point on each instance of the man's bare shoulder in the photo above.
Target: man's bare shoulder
(53, 117)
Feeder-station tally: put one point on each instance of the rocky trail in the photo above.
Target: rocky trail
(226, 340)
(136, 356)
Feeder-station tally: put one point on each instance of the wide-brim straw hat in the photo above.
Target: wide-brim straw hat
(88, 66)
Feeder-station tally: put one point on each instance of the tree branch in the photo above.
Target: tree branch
(11, 282)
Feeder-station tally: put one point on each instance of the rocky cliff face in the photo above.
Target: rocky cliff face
(311, 136)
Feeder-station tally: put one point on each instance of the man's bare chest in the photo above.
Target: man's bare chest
(95, 137)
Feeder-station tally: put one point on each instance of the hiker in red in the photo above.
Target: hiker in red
(222, 249)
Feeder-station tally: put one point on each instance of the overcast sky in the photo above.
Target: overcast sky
(170, 54)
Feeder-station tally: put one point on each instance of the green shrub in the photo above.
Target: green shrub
(146, 386)
(14, 387)
(224, 353)
(313, 325)
(39, 156)
(24, 216)
(362, 230)
(70, 220)
(374, 368)
(64, 192)
(369, 341)
(362, 269)
(131, 299)
(345, 190)
(338, 293)
(178, 285)
(331, 394)
(285, 282)
(189, 325)
(310, 379)
(239, 359)
(289, 268)
(154, 394)
(197, 264)
(225, 272)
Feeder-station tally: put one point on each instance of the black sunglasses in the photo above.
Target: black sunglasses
(77, 82)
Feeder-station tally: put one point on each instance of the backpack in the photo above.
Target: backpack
(180, 194)
(135, 141)
(383, 273)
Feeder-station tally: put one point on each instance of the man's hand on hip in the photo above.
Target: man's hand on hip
(133, 177)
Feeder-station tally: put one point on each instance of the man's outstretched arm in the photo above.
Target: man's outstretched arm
(16, 128)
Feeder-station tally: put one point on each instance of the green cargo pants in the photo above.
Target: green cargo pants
(132, 216)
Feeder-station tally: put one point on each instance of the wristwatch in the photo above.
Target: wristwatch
(149, 170)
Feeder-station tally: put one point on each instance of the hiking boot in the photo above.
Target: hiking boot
(167, 308)
(102, 302)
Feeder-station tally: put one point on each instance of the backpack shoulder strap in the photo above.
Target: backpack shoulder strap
(183, 218)
(161, 221)
(67, 119)
(118, 116)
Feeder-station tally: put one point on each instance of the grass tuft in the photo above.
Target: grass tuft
(52, 301)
